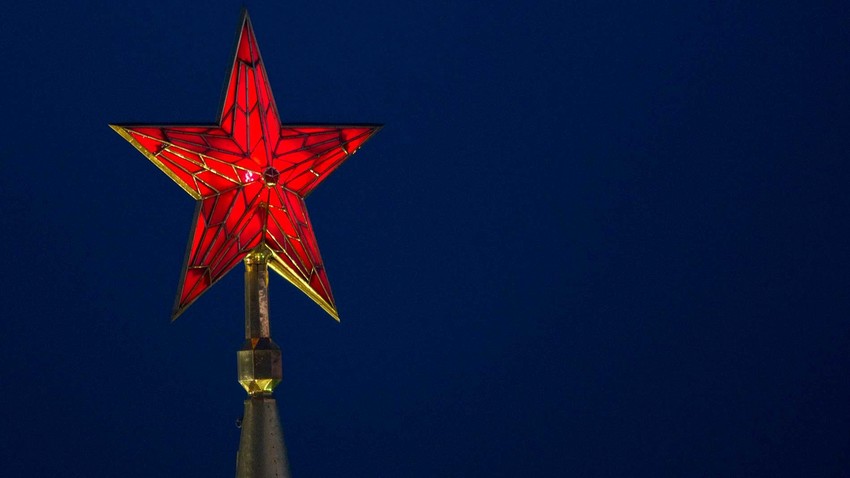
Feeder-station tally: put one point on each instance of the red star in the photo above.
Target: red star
(250, 175)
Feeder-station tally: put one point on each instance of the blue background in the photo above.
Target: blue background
(602, 239)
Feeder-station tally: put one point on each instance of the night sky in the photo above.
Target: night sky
(604, 239)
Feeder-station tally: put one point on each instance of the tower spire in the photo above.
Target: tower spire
(262, 452)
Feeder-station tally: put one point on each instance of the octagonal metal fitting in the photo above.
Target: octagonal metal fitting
(259, 366)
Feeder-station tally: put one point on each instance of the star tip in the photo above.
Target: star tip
(176, 312)
(333, 313)
(376, 129)
(245, 17)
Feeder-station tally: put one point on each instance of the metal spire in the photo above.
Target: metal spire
(262, 452)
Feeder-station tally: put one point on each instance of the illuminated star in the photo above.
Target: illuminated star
(250, 175)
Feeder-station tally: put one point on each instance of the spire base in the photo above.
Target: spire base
(262, 453)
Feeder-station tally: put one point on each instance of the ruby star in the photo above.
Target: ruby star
(250, 175)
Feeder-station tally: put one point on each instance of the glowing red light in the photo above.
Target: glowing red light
(250, 174)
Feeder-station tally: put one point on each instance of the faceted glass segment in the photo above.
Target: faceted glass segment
(250, 175)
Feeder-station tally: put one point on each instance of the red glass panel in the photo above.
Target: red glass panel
(149, 144)
(302, 181)
(218, 182)
(250, 88)
(287, 146)
(180, 162)
(316, 284)
(197, 281)
(226, 145)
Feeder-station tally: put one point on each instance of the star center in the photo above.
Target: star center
(270, 176)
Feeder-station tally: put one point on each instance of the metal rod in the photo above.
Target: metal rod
(257, 295)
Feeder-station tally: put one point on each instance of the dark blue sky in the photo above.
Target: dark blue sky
(592, 240)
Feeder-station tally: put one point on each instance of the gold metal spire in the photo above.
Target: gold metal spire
(259, 360)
